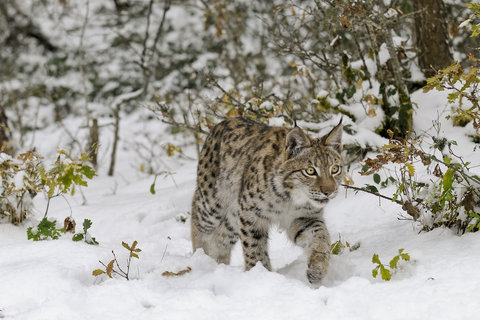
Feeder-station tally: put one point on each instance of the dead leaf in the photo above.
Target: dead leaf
(110, 268)
(176, 274)
(97, 272)
(69, 225)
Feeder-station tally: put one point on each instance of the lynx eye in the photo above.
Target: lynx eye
(310, 171)
(335, 169)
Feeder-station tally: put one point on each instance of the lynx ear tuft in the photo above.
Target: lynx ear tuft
(296, 140)
(334, 137)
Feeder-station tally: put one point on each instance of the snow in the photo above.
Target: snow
(52, 279)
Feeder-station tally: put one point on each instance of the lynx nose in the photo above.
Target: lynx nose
(327, 192)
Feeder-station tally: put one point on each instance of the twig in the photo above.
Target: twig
(144, 51)
(125, 275)
(48, 204)
(113, 270)
(166, 7)
(225, 92)
(407, 205)
(374, 193)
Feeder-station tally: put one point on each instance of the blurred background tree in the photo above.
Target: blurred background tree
(194, 62)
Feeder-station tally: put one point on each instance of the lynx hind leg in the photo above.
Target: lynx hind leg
(216, 239)
(311, 234)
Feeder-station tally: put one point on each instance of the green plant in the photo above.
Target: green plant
(339, 246)
(87, 223)
(44, 230)
(475, 222)
(183, 217)
(387, 270)
(113, 267)
(66, 174)
(448, 197)
(164, 174)
(19, 183)
(22, 178)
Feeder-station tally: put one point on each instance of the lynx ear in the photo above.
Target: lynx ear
(295, 141)
(334, 137)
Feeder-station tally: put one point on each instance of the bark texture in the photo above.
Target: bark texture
(431, 36)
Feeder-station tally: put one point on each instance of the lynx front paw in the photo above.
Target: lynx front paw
(316, 273)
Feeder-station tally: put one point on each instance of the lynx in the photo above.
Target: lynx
(251, 176)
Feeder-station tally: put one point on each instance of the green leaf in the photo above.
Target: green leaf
(32, 235)
(87, 171)
(152, 188)
(77, 237)
(386, 275)
(87, 223)
(92, 241)
(356, 246)
(51, 190)
(453, 96)
(410, 168)
(448, 179)
(337, 247)
(376, 178)
(376, 259)
(375, 272)
(371, 188)
(394, 262)
(350, 91)
(405, 256)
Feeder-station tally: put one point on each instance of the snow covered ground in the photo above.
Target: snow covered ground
(53, 279)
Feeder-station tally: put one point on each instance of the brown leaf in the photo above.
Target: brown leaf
(69, 225)
(97, 272)
(390, 133)
(134, 244)
(468, 201)
(347, 179)
(133, 254)
(126, 246)
(411, 210)
(437, 172)
(176, 274)
(344, 21)
(110, 268)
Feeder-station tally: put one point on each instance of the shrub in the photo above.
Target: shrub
(26, 176)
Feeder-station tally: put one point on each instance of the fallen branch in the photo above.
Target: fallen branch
(407, 206)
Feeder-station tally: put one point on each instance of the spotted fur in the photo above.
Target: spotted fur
(251, 176)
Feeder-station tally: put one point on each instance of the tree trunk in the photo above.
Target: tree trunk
(5, 143)
(431, 36)
(116, 115)
(93, 143)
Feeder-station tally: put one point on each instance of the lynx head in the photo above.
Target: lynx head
(313, 168)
